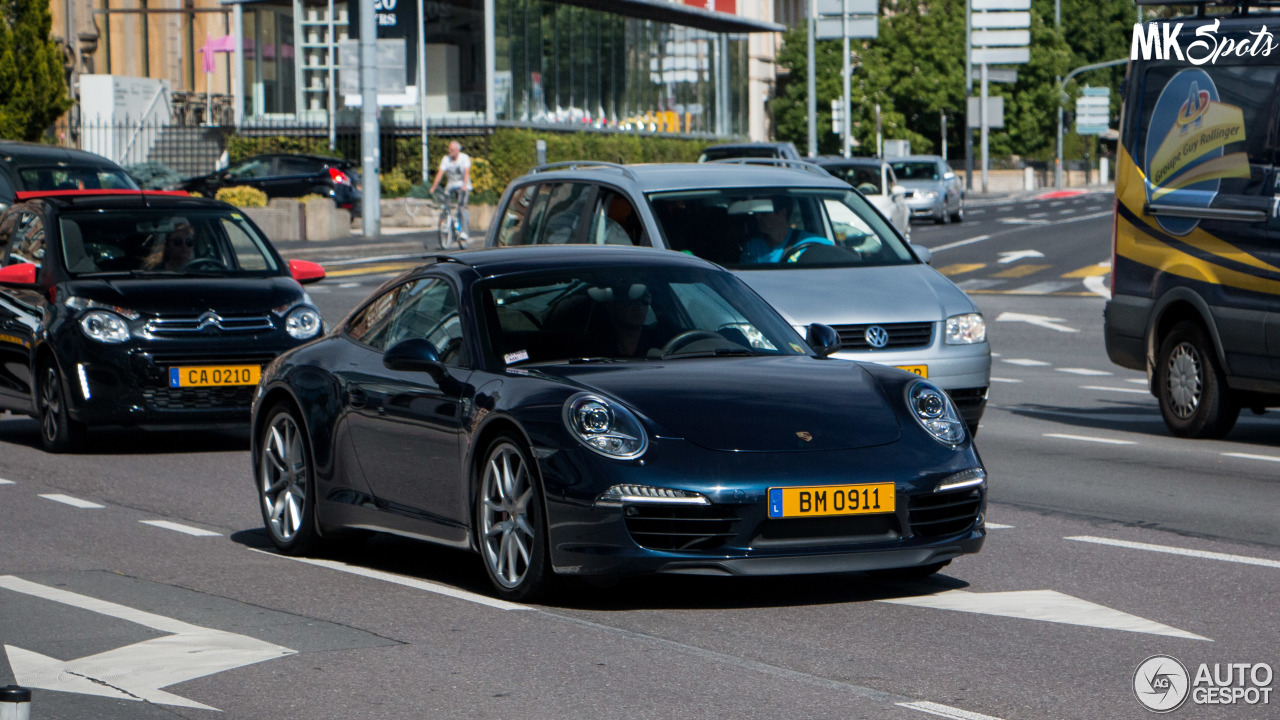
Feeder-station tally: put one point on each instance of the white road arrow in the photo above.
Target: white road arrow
(1046, 606)
(1043, 321)
(1012, 256)
(138, 671)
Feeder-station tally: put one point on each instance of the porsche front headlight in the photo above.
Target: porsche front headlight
(605, 426)
(935, 412)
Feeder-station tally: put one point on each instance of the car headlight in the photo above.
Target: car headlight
(303, 323)
(935, 412)
(926, 194)
(104, 326)
(966, 329)
(605, 426)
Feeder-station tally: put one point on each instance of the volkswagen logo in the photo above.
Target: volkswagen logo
(876, 336)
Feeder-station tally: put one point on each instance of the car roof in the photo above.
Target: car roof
(129, 201)
(25, 154)
(914, 158)
(749, 145)
(320, 158)
(499, 261)
(835, 160)
(668, 177)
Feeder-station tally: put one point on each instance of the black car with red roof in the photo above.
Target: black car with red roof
(123, 307)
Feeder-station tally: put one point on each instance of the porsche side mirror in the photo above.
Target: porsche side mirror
(415, 355)
(306, 272)
(823, 339)
(19, 274)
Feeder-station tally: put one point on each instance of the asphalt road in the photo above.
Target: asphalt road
(1110, 542)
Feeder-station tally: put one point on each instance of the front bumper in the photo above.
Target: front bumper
(734, 534)
(920, 207)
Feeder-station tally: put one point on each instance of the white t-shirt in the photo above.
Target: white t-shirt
(455, 170)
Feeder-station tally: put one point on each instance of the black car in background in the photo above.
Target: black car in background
(132, 308)
(287, 176)
(726, 151)
(31, 166)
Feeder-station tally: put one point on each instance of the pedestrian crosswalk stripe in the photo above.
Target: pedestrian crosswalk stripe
(1018, 271)
(1089, 271)
(960, 268)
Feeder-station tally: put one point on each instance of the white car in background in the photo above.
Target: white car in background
(875, 179)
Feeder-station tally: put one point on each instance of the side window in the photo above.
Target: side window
(614, 221)
(566, 204)
(297, 166)
(247, 254)
(518, 217)
(370, 325)
(250, 169)
(429, 310)
(28, 242)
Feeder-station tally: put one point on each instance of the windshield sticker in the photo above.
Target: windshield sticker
(796, 347)
(516, 356)
(1187, 154)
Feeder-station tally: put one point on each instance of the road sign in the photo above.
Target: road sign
(995, 112)
(1001, 38)
(996, 75)
(859, 27)
(854, 7)
(837, 116)
(390, 66)
(1002, 20)
(1093, 111)
(1000, 56)
(1001, 4)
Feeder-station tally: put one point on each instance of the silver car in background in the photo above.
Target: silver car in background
(877, 182)
(805, 241)
(934, 190)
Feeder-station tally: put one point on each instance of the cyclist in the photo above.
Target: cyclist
(457, 165)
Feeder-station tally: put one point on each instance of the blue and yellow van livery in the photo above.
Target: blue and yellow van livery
(1196, 240)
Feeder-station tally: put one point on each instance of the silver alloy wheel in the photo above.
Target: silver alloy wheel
(506, 528)
(284, 477)
(1186, 380)
(50, 404)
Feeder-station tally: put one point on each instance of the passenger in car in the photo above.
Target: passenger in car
(775, 236)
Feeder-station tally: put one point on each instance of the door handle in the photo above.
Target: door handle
(356, 397)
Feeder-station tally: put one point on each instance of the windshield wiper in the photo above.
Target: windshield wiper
(599, 359)
(718, 352)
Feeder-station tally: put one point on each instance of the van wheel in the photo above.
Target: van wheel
(1193, 393)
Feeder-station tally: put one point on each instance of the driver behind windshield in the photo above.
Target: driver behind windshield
(177, 250)
(776, 235)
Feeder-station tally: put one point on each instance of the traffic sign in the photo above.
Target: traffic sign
(859, 27)
(1093, 111)
(1002, 20)
(1001, 38)
(996, 75)
(1000, 56)
(854, 7)
(1000, 4)
(837, 116)
(995, 112)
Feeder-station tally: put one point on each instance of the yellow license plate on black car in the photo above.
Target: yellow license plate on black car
(214, 375)
(921, 370)
(826, 500)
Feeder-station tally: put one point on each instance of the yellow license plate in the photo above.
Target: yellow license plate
(214, 375)
(825, 500)
(921, 370)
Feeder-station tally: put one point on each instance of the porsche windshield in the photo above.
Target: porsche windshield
(630, 313)
(163, 242)
(764, 228)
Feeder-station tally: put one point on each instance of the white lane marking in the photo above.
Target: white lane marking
(1097, 284)
(945, 711)
(1041, 288)
(7, 482)
(1005, 380)
(1011, 256)
(178, 527)
(960, 243)
(73, 502)
(135, 672)
(415, 583)
(370, 260)
(1066, 211)
(1005, 209)
(1038, 215)
(1137, 381)
(1044, 321)
(1090, 438)
(1250, 456)
(1135, 391)
(349, 285)
(1025, 362)
(1045, 606)
(1202, 554)
(1024, 221)
(1083, 371)
(1057, 203)
(998, 526)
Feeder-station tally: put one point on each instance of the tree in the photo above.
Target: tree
(33, 89)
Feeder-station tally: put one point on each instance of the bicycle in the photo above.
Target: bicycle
(450, 227)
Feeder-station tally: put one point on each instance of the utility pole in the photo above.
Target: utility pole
(1057, 165)
(848, 71)
(944, 133)
(813, 90)
(968, 91)
(422, 89)
(370, 151)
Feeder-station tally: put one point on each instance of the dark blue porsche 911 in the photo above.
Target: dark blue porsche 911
(608, 413)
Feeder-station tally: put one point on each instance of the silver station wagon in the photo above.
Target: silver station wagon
(808, 243)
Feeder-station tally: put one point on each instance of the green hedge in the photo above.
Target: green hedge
(510, 152)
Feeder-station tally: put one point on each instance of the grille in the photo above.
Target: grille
(815, 532)
(944, 513)
(901, 335)
(968, 397)
(225, 398)
(679, 527)
(208, 322)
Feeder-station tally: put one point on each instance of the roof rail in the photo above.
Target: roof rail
(586, 165)
(23, 195)
(777, 162)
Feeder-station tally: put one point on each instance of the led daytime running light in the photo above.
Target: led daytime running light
(972, 477)
(644, 494)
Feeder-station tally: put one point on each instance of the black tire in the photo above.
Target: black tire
(1191, 387)
(943, 217)
(283, 468)
(958, 215)
(58, 432)
(511, 530)
(918, 572)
